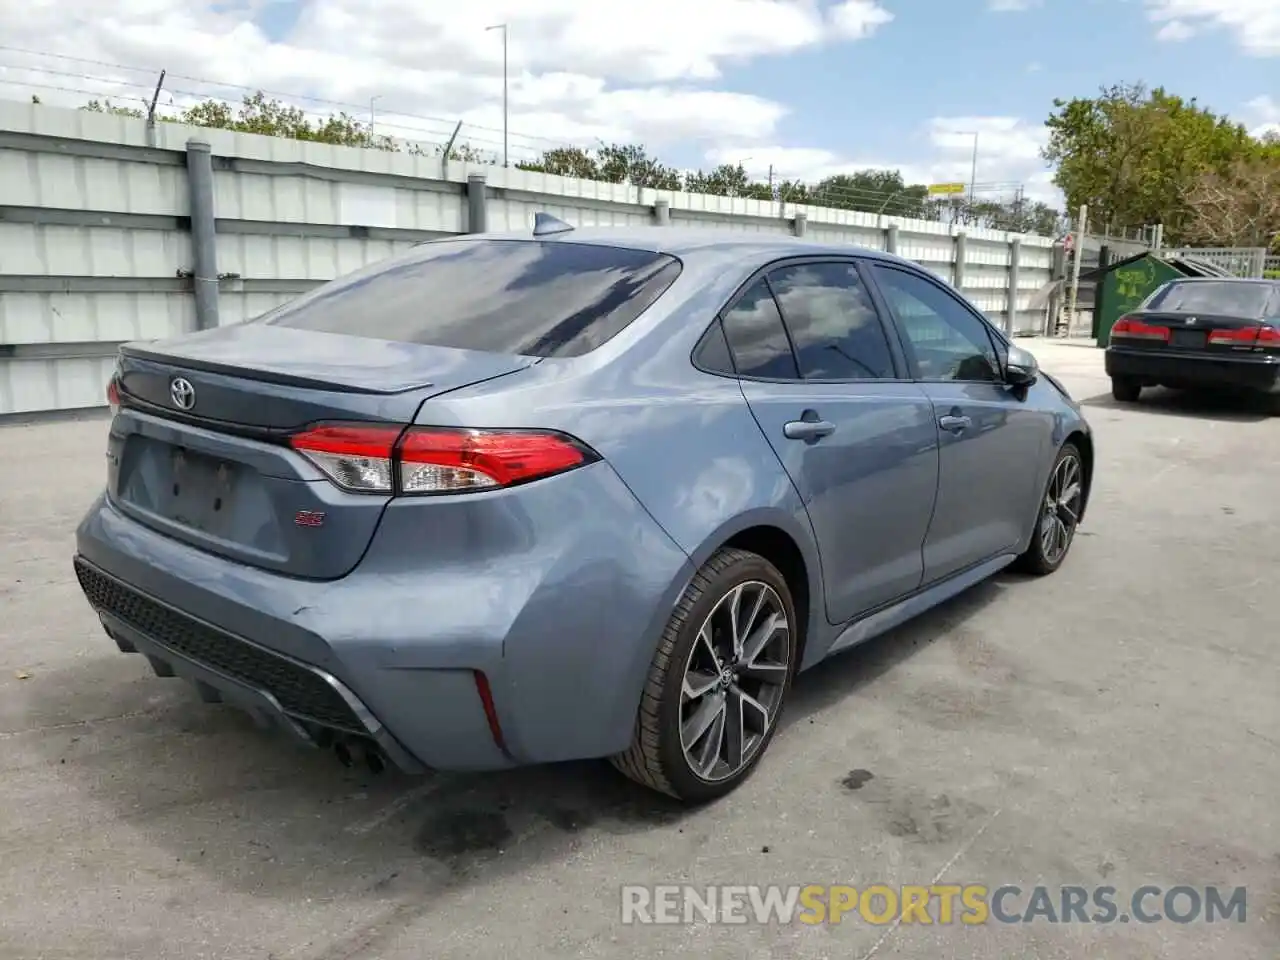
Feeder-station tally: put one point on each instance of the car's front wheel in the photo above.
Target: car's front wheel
(1059, 514)
(718, 681)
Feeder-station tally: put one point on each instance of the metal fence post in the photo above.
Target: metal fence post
(1058, 274)
(662, 213)
(477, 203)
(891, 239)
(1015, 265)
(204, 238)
(957, 271)
(801, 223)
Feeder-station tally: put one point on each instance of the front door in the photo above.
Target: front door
(859, 443)
(992, 444)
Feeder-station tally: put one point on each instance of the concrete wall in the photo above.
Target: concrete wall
(96, 234)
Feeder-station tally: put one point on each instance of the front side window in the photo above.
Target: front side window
(833, 322)
(948, 342)
(528, 297)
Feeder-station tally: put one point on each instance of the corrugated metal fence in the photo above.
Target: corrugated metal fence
(97, 218)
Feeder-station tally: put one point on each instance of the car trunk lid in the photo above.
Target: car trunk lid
(200, 449)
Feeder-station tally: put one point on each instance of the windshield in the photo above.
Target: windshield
(1223, 297)
(528, 297)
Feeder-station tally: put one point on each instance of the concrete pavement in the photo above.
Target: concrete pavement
(1115, 723)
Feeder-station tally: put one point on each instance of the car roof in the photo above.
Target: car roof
(685, 242)
(1263, 281)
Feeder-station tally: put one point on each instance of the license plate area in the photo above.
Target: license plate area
(202, 492)
(184, 486)
(1188, 339)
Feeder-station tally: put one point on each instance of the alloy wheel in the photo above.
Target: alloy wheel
(734, 681)
(1061, 510)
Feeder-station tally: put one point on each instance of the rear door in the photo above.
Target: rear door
(201, 449)
(993, 445)
(856, 438)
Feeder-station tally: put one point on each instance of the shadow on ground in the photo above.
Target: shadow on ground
(1230, 407)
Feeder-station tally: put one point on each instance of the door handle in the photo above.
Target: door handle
(807, 430)
(954, 424)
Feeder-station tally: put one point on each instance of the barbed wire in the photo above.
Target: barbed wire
(1001, 205)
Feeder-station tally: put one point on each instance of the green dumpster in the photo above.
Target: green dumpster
(1121, 286)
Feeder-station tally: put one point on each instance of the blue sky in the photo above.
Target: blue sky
(809, 87)
(959, 59)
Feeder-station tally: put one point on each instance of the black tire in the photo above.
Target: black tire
(1038, 559)
(1126, 389)
(656, 757)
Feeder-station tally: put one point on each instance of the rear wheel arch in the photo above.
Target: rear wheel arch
(781, 550)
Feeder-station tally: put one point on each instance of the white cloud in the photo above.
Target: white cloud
(1255, 24)
(630, 70)
(1176, 31)
(858, 19)
(1011, 6)
(1263, 115)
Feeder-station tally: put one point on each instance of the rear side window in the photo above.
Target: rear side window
(833, 322)
(1223, 297)
(528, 297)
(753, 327)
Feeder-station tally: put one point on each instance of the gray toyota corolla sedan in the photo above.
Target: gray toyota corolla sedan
(517, 499)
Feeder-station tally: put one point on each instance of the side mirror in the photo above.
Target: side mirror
(1021, 368)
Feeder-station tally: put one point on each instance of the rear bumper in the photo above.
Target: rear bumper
(1253, 373)
(278, 691)
(568, 587)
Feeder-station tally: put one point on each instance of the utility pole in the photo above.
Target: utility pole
(1082, 224)
(372, 100)
(973, 174)
(506, 156)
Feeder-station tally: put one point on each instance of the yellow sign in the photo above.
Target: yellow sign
(936, 188)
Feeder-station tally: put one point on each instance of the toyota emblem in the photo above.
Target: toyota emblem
(182, 393)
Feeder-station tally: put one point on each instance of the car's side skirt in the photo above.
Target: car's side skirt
(873, 624)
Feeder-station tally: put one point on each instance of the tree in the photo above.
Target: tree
(266, 116)
(106, 106)
(873, 191)
(565, 162)
(1133, 155)
(1238, 208)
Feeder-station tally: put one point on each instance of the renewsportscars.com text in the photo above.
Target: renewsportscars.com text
(941, 904)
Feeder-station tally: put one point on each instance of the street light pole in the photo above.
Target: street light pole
(505, 151)
(372, 101)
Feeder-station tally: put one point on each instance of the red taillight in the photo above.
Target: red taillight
(1131, 328)
(1246, 337)
(430, 460)
(440, 461)
(113, 395)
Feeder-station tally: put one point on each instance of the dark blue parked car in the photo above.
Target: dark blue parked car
(506, 500)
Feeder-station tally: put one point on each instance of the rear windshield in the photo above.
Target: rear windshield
(1225, 298)
(529, 297)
